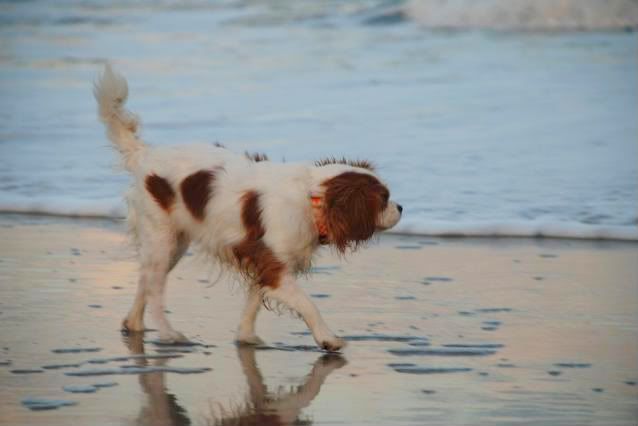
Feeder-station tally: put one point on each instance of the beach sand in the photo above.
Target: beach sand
(441, 332)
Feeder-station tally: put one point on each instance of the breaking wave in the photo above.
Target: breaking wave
(524, 15)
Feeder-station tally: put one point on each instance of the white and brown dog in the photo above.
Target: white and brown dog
(262, 219)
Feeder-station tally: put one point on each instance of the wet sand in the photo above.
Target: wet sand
(441, 332)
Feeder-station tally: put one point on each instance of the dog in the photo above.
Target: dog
(262, 219)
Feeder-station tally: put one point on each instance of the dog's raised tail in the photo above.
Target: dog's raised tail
(110, 91)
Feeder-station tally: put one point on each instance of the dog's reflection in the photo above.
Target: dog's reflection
(161, 408)
(283, 407)
(259, 407)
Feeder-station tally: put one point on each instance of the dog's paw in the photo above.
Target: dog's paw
(172, 336)
(334, 344)
(252, 340)
(129, 326)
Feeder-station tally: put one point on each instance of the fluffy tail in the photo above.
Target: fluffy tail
(110, 91)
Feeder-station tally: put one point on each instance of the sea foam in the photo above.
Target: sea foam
(411, 225)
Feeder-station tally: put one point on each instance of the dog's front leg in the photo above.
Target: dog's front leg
(290, 294)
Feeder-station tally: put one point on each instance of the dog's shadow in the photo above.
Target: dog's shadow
(259, 407)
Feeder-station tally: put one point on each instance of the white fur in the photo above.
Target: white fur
(111, 92)
(163, 237)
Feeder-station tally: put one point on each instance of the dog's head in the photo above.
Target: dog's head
(356, 204)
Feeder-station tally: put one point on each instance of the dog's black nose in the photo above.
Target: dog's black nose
(400, 207)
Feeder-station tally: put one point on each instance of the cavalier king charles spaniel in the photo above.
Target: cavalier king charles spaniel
(262, 219)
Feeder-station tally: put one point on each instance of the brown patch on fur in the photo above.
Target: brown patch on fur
(256, 156)
(161, 191)
(196, 191)
(255, 259)
(352, 204)
(364, 164)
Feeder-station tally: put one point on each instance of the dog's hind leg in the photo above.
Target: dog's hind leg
(159, 262)
(160, 248)
(134, 320)
(246, 332)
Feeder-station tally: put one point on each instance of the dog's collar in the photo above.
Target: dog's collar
(320, 221)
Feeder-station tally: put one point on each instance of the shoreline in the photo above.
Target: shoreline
(37, 217)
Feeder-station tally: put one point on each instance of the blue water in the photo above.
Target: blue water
(477, 132)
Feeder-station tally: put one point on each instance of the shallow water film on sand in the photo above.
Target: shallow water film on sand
(486, 118)
(489, 344)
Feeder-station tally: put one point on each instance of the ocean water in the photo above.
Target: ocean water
(507, 118)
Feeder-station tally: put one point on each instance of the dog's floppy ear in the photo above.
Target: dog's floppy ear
(352, 204)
